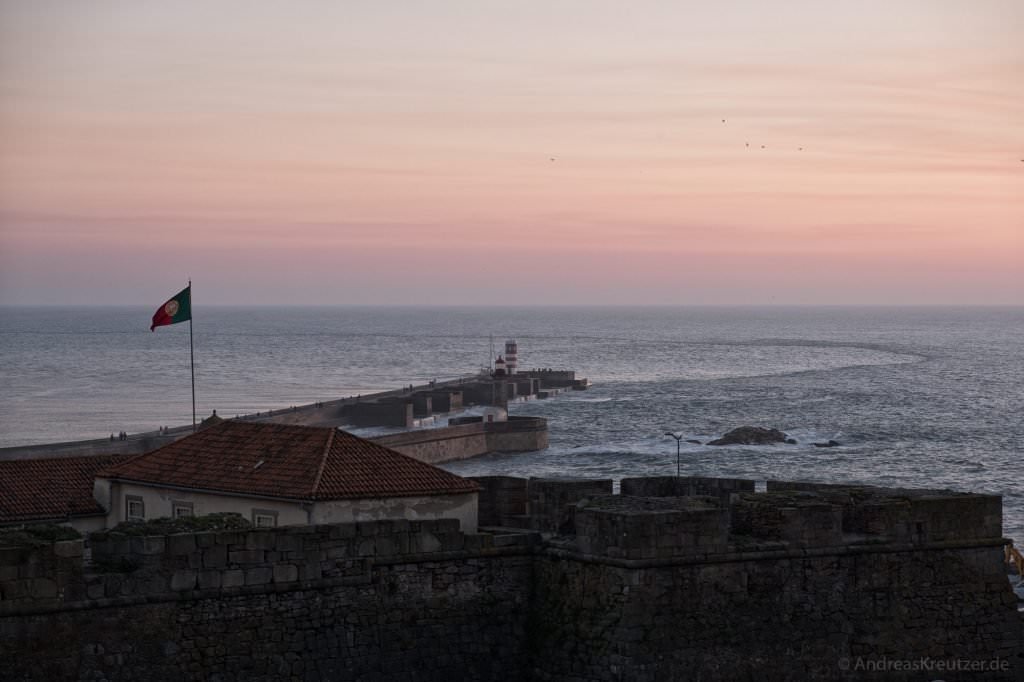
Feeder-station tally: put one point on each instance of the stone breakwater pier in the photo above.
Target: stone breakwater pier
(672, 579)
(404, 408)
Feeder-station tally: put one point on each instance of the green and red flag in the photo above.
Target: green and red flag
(177, 309)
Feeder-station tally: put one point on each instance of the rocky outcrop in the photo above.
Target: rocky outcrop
(827, 444)
(751, 435)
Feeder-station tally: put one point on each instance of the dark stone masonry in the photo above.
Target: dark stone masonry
(695, 579)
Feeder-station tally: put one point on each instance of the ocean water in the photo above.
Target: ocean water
(917, 397)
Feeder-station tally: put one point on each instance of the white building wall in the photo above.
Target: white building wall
(159, 502)
(462, 507)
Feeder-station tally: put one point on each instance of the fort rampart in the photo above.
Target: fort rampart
(380, 600)
(797, 583)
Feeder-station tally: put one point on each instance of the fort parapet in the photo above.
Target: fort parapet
(802, 582)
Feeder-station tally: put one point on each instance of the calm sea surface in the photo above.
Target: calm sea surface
(918, 397)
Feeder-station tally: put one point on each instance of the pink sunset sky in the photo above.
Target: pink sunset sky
(523, 152)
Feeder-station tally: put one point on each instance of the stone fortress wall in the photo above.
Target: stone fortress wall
(690, 578)
(380, 600)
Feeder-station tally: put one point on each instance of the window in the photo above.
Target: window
(264, 518)
(134, 508)
(181, 509)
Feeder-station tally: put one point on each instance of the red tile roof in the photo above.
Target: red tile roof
(53, 488)
(283, 460)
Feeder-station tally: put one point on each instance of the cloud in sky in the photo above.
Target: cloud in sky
(300, 153)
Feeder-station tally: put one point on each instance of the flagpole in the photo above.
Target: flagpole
(192, 355)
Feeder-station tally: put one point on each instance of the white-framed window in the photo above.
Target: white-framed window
(181, 509)
(134, 507)
(264, 518)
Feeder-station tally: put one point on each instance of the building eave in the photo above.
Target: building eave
(209, 491)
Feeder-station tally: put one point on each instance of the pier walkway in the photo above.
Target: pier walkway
(331, 413)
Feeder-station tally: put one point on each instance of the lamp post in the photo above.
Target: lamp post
(679, 441)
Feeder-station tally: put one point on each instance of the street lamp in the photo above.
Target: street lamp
(679, 441)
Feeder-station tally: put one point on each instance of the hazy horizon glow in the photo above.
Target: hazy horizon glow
(359, 153)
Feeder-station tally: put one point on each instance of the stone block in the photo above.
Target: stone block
(261, 575)
(246, 556)
(115, 545)
(232, 578)
(385, 546)
(423, 542)
(14, 589)
(37, 566)
(311, 570)
(288, 542)
(685, 486)
(8, 573)
(112, 584)
(285, 573)
(368, 528)
(148, 545)
(447, 525)
(43, 588)
(230, 538)
(451, 542)
(260, 539)
(208, 580)
(341, 551)
(509, 540)
(13, 556)
(152, 582)
(644, 528)
(551, 501)
(183, 580)
(479, 541)
(215, 556)
(68, 548)
(344, 530)
(500, 498)
(181, 544)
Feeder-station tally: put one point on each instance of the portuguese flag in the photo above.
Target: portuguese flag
(177, 309)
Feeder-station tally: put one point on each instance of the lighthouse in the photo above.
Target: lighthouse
(511, 356)
(500, 367)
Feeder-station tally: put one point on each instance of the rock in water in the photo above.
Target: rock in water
(750, 435)
(829, 444)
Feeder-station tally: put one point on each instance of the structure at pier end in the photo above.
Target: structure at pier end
(672, 578)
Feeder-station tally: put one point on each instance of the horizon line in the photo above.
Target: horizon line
(507, 306)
